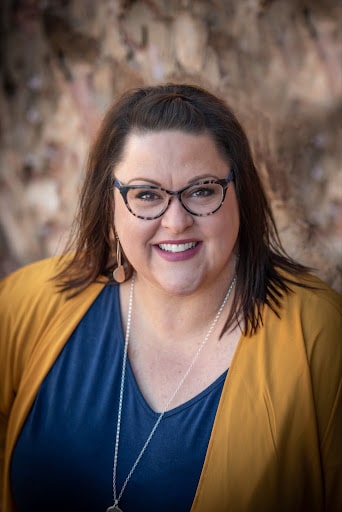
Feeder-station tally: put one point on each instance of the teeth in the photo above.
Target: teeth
(177, 247)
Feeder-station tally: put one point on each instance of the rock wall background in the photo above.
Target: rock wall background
(276, 62)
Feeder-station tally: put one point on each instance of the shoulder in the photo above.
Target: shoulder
(311, 298)
(33, 290)
(316, 318)
(30, 297)
(28, 283)
(309, 319)
(34, 274)
(312, 316)
(28, 301)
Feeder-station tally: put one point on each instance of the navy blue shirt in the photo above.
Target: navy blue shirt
(63, 459)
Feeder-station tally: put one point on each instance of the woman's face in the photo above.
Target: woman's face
(178, 252)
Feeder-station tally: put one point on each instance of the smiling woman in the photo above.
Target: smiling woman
(209, 260)
(175, 345)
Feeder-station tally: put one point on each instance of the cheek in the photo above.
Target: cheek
(229, 220)
(133, 233)
(123, 219)
(119, 206)
(225, 235)
(234, 222)
(233, 210)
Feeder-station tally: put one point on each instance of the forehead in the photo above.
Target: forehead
(170, 151)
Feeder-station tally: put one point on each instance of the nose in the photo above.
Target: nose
(176, 218)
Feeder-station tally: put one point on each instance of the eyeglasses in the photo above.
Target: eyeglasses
(149, 202)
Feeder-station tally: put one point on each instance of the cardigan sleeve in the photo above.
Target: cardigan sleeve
(322, 319)
(25, 309)
(28, 302)
(329, 396)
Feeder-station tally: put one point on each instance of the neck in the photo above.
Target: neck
(175, 318)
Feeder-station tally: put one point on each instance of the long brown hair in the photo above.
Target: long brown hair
(262, 258)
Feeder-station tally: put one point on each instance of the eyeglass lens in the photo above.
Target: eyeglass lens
(200, 199)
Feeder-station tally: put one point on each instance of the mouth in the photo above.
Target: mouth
(174, 248)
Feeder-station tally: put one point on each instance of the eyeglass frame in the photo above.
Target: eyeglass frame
(124, 189)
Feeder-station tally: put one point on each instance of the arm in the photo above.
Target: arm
(325, 359)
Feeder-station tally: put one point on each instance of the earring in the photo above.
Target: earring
(119, 274)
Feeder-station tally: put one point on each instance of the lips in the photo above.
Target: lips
(174, 248)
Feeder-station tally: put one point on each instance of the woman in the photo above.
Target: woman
(178, 359)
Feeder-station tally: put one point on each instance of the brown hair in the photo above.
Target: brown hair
(192, 110)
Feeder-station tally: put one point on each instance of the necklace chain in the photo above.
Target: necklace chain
(161, 415)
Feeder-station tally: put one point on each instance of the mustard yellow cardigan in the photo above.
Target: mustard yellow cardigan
(276, 443)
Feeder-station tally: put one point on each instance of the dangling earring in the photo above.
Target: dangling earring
(119, 274)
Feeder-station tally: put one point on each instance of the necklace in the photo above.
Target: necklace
(116, 498)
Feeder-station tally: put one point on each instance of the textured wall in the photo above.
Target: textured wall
(277, 62)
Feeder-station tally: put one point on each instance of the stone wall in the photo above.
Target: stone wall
(276, 62)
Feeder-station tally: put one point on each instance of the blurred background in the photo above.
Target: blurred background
(277, 63)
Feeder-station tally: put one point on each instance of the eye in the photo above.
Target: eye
(147, 194)
(202, 191)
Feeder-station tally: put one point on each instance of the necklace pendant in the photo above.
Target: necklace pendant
(113, 508)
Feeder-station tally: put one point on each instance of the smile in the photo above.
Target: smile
(177, 247)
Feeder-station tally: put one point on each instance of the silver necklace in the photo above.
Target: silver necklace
(116, 498)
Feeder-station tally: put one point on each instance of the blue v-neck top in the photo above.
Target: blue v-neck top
(63, 459)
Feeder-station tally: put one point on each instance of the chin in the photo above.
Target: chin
(180, 285)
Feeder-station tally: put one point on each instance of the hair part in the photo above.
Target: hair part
(191, 109)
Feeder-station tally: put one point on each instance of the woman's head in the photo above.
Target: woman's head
(192, 110)
(176, 212)
(168, 107)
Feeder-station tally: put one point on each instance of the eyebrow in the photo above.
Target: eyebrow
(200, 177)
